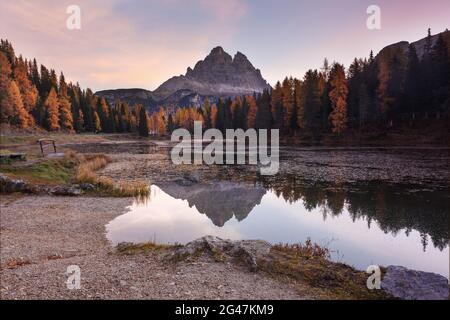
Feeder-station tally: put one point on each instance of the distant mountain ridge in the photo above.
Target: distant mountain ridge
(217, 76)
(419, 45)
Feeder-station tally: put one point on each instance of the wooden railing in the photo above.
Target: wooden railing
(45, 143)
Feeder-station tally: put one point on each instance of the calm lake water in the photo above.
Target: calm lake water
(371, 224)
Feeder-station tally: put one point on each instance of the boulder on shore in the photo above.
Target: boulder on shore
(407, 284)
(8, 185)
(246, 251)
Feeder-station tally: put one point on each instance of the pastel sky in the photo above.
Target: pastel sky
(141, 43)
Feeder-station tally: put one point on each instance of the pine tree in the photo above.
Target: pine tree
(287, 101)
(79, 124)
(75, 109)
(441, 75)
(252, 111)
(309, 110)
(363, 105)
(277, 106)
(228, 117)
(34, 73)
(7, 48)
(325, 103)
(264, 114)
(87, 104)
(413, 82)
(111, 119)
(237, 115)
(39, 113)
(300, 106)
(54, 80)
(243, 112)
(338, 97)
(220, 116)
(46, 83)
(355, 78)
(428, 43)
(371, 58)
(206, 112)
(143, 125)
(171, 124)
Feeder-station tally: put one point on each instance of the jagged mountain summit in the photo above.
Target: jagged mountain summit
(219, 75)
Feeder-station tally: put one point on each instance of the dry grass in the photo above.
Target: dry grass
(16, 263)
(123, 189)
(76, 168)
(85, 173)
(308, 250)
(131, 248)
(308, 263)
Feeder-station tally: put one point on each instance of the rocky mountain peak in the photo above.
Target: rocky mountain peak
(218, 75)
(217, 56)
(241, 62)
(217, 51)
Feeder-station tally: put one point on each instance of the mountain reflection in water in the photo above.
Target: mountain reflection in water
(363, 225)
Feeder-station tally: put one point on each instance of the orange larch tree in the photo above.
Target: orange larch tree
(338, 98)
(52, 111)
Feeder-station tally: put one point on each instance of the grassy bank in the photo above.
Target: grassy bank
(73, 168)
(45, 172)
(309, 263)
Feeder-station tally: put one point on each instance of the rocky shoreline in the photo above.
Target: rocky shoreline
(42, 235)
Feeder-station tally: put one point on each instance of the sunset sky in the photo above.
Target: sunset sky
(136, 43)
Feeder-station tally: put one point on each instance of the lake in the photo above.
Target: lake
(362, 224)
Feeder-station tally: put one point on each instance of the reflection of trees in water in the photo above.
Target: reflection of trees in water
(394, 208)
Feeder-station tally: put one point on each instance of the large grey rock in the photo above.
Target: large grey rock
(8, 185)
(408, 284)
(87, 187)
(71, 190)
(246, 251)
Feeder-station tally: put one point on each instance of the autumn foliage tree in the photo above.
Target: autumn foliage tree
(52, 111)
(338, 98)
(65, 112)
(399, 85)
(6, 108)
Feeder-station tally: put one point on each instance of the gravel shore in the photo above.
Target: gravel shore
(41, 236)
